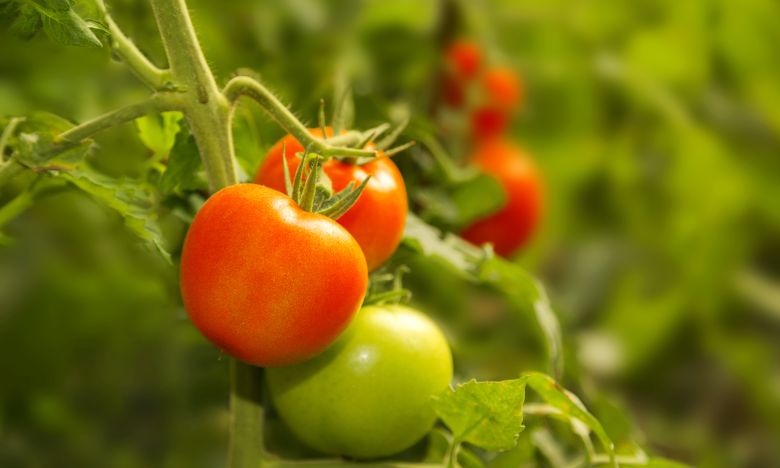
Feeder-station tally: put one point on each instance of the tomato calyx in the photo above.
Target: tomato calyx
(313, 191)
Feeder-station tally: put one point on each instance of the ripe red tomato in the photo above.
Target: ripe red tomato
(368, 395)
(463, 60)
(511, 227)
(376, 220)
(266, 282)
(501, 95)
(502, 88)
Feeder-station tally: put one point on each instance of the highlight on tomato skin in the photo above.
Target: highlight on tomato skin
(376, 220)
(258, 276)
(512, 226)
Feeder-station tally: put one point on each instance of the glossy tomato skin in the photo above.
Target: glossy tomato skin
(266, 282)
(376, 220)
(512, 226)
(369, 394)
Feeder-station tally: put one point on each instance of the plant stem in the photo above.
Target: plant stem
(154, 77)
(247, 86)
(16, 206)
(246, 416)
(205, 108)
(156, 103)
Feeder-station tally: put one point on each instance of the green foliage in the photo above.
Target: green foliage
(486, 414)
(57, 18)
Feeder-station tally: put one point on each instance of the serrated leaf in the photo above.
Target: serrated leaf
(486, 414)
(158, 132)
(184, 165)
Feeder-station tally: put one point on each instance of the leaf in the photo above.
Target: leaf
(477, 265)
(570, 407)
(27, 23)
(158, 132)
(184, 165)
(486, 414)
(68, 28)
(132, 200)
(460, 204)
(36, 139)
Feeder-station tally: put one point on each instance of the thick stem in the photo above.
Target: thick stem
(246, 86)
(206, 109)
(246, 416)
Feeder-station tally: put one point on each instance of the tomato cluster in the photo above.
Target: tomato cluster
(276, 286)
(490, 95)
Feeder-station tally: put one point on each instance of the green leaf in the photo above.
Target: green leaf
(35, 140)
(458, 205)
(184, 165)
(486, 414)
(27, 23)
(132, 200)
(477, 265)
(68, 28)
(158, 132)
(569, 406)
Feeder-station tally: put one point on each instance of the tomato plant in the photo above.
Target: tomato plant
(267, 282)
(376, 220)
(368, 395)
(292, 276)
(512, 226)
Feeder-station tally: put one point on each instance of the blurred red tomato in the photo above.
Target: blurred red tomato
(511, 227)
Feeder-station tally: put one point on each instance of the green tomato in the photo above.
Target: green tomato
(369, 394)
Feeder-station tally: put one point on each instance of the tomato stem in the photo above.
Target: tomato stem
(153, 76)
(246, 416)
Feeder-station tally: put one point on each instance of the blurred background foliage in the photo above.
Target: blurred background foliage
(657, 128)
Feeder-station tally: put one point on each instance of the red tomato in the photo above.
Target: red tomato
(501, 95)
(488, 122)
(511, 227)
(502, 88)
(378, 217)
(267, 282)
(463, 60)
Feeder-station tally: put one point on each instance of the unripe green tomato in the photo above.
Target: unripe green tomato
(369, 394)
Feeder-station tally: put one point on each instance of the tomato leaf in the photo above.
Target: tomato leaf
(486, 414)
(131, 199)
(185, 167)
(158, 132)
(570, 408)
(475, 264)
(460, 204)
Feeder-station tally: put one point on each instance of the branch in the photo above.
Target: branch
(246, 86)
(156, 103)
(153, 76)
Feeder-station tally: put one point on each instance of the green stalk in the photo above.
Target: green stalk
(247, 86)
(206, 109)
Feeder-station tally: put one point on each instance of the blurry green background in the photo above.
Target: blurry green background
(656, 125)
